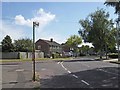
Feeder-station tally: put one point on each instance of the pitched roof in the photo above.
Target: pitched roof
(51, 42)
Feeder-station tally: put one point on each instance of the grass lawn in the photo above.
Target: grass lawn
(38, 59)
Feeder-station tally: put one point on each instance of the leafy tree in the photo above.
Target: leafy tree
(73, 41)
(96, 29)
(7, 45)
(115, 4)
(85, 49)
(23, 45)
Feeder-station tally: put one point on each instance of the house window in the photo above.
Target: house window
(39, 47)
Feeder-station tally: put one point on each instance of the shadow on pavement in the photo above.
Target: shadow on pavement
(97, 78)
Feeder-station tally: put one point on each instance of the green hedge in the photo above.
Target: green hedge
(113, 55)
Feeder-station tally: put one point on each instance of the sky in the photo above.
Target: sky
(57, 20)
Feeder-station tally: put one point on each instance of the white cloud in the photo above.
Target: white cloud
(16, 30)
(83, 43)
(9, 29)
(41, 16)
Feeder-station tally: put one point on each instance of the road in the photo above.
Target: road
(78, 73)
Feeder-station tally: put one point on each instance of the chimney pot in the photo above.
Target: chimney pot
(51, 39)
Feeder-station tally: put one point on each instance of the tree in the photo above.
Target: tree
(96, 29)
(115, 4)
(84, 49)
(7, 45)
(73, 41)
(23, 45)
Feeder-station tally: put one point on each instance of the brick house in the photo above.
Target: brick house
(66, 50)
(49, 47)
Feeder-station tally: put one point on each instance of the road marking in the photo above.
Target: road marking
(85, 82)
(58, 62)
(61, 62)
(19, 70)
(69, 71)
(75, 76)
(108, 72)
(63, 65)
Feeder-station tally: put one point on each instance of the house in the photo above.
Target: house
(66, 50)
(49, 47)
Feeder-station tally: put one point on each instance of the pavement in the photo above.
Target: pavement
(112, 61)
(77, 73)
(16, 75)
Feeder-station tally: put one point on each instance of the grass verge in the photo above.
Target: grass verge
(38, 59)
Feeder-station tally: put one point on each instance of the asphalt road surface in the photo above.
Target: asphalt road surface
(78, 73)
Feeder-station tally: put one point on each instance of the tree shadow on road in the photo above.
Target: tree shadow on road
(106, 77)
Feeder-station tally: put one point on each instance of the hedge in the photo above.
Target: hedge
(113, 55)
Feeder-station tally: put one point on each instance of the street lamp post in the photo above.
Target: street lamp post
(33, 50)
(118, 38)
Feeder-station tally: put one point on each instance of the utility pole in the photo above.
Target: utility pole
(33, 49)
(118, 37)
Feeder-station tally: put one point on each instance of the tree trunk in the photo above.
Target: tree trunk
(101, 55)
(106, 51)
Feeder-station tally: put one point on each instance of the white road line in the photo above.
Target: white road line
(69, 71)
(58, 62)
(75, 76)
(85, 82)
(61, 63)
(63, 66)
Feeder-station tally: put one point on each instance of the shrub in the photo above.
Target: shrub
(56, 55)
(82, 54)
(113, 55)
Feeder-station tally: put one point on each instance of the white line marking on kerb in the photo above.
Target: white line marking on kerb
(75, 76)
(85, 82)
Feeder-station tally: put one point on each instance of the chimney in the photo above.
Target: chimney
(51, 39)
